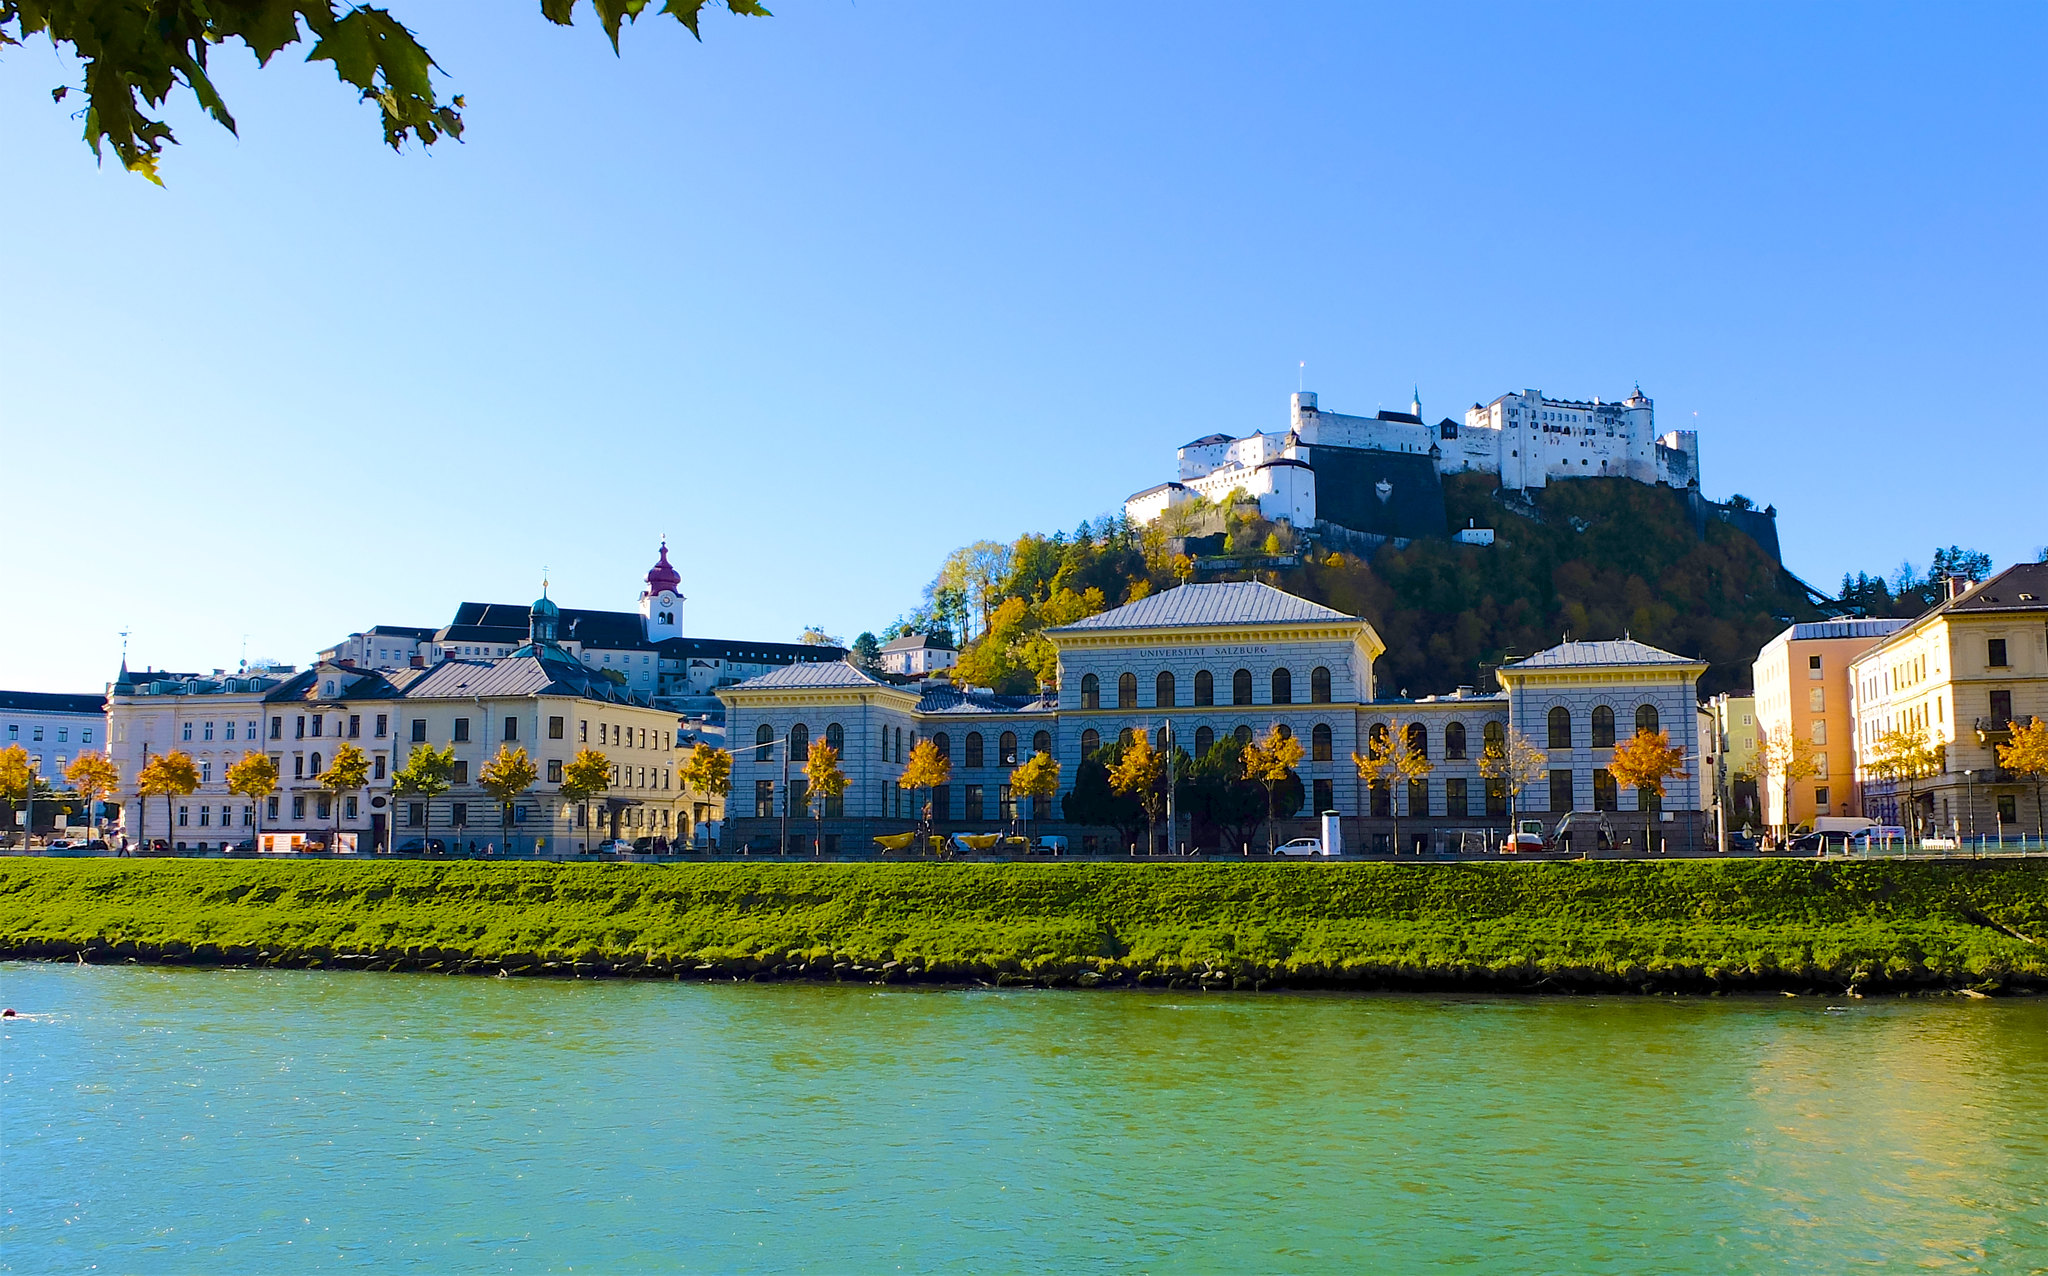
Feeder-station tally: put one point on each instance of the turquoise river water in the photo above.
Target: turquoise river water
(159, 1120)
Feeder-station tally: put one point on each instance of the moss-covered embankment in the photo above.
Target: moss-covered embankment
(1686, 925)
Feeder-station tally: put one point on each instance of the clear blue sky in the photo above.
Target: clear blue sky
(834, 292)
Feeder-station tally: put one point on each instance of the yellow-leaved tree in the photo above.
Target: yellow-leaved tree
(927, 769)
(426, 775)
(1139, 774)
(824, 782)
(588, 774)
(1393, 757)
(507, 775)
(1270, 760)
(709, 771)
(346, 772)
(1904, 755)
(254, 777)
(1037, 778)
(1515, 763)
(167, 775)
(18, 784)
(1644, 764)
(2027, 754)
(1781, 759)
(94, 775)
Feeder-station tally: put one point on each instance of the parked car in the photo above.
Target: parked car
(1300, 846)
(59, 844)
(426, 846)
(1056, 844)
(614, 847)
(1740, 842)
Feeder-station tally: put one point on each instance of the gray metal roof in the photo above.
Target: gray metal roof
(916, 642)
(1873, 628)
(1241, 602)
(521, 675)
(1615, 651)
(818, 674)
(52, 702)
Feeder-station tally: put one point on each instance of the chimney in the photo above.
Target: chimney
(346, 663)
(419, 661)
(1957, 587)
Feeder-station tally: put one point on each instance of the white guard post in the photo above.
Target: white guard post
(1333, 834)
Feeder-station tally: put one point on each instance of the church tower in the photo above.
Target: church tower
(661, 603)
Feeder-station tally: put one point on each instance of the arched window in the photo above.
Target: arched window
(1090, 742)
(1124, 738)
(1205, 688)
(1560, 728)
(316, 774)
(1286, 732)
(1603, 726)
(1418, 740)
(1243, 734)
(1454, 741)
(1091, 692)
(799, 744)
(1646, 719)
(1042, 742)
(1241, 687)
(1319, 743)
(944, 744)
(1283, 687)
(974, 758)
(1162, 690)
(1376, 738)
(1006, 749)
(835, 736)
(1496, 737)
(1319, 685)
(764, 743)
(1127, 691)
(1205, 740)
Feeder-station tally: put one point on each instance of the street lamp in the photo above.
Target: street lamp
(1970, 802)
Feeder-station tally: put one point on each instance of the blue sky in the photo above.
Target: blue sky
(831, 293)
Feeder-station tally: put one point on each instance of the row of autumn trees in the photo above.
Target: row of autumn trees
(1905, 757)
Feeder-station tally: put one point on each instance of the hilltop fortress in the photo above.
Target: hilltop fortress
(1381, 475)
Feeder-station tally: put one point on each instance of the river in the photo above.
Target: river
(160, 1120)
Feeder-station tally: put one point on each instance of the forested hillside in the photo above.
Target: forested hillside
(1591, 558)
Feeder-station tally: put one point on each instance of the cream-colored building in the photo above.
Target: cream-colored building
(1961, 673)
(1801, 681)
(1728, 743)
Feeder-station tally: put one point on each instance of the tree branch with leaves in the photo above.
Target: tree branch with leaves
(1645, 763)
(255, 778)
(509, 773)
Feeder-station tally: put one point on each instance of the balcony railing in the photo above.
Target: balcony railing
(1994, 731)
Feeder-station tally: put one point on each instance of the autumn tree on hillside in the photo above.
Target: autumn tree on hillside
(507, 775)
(1514, 762)
(1036, 778)
(135, 54)
(167, 775)
(348, 771)
(255, 778)
(825, 782)
(2027, 754)
(93, 775)
(426, 775)
(1271, 760)
(1644, 764)
(1393, 757)
(1140, 774)
(1782, 760)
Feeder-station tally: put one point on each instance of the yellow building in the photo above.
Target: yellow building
(1802, 691)
(1962, 672)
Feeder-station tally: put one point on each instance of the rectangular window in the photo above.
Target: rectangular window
(554, 728)
(277, 728)
(1995, 653)
(462, 772)
(1560, 791)
(942, 802)
(349, 811)
(459, 814)
(415, 814)
(419, 730)
(229, 732)
(554, 770)
(1456, 803)
(270, 807)
(205, 816)
(1820, 799)
(2001, 706)
(1418, 797)
(319, 723)
(511, 728)
(970, 803)
(2008, 809)
(1606, 794)
(1817, 700)
(1006, 803)
(248, 817)
(355, 726)
(184, 816)
(1325, 795)
(325, 803)
(764, 799)
(1382, 800)
(298, 766)
(462, 730)
(378, 765)
(298, 806)
(206, 772)
(383, 724)
(1813, 667)
(300, 730)
(1820, 730)
(187, 726)
(583, 731)
(85, 736)
(205, 731)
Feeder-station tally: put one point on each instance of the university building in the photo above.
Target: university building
(1203, 661)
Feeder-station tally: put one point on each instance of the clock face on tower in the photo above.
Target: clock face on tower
(668, 599)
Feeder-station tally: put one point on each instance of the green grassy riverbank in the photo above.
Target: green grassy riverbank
(1684, 925)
